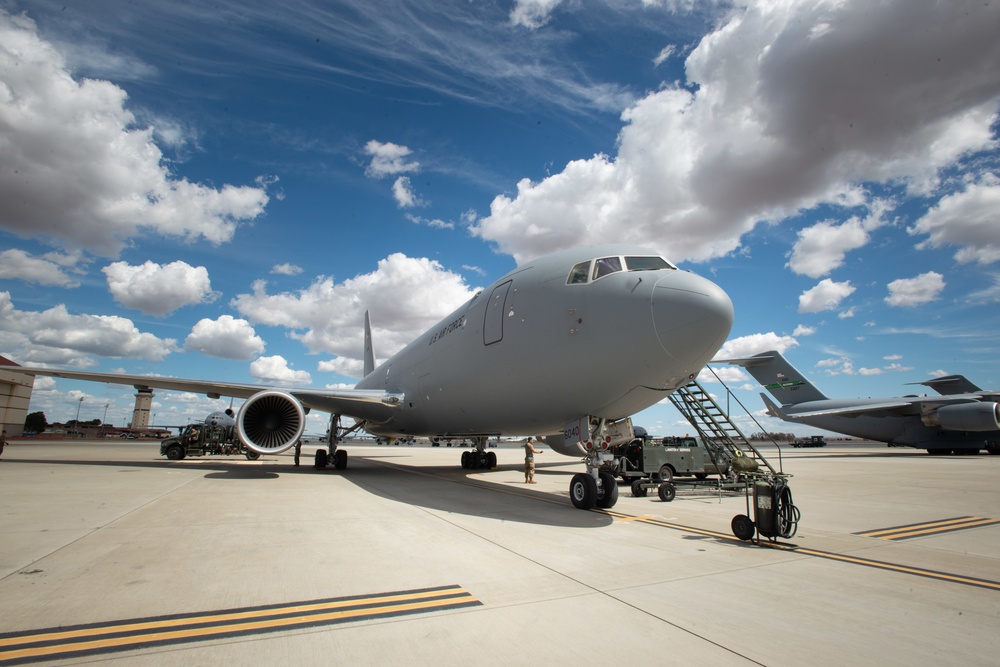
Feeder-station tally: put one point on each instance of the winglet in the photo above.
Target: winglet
(369, 350)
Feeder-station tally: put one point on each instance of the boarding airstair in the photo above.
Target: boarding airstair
(720, 434)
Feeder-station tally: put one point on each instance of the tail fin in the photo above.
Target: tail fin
(369, 350)
(780, 378)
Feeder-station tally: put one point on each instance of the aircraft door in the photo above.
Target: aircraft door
(495, 309)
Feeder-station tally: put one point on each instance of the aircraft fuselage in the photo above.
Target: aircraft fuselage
(532, 351)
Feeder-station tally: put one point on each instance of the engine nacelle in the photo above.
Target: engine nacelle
(559, 445)
(271, 421)
(966, 417)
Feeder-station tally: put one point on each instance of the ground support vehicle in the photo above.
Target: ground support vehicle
(811, 441)
(203, 440)
(671, 457)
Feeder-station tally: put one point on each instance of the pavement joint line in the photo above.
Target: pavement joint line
(125, 635)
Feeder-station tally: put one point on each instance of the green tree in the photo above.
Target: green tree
(36, 422)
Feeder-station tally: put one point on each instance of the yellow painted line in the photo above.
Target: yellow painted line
(101, 638)
(929, 528)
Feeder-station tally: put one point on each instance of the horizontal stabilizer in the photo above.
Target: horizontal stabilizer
(951, 384)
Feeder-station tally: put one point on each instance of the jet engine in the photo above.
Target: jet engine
(558, 445)
(966, 417)
(271, 421)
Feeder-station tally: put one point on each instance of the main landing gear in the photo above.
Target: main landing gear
(479, 458)
(336, 457)
(594, 488)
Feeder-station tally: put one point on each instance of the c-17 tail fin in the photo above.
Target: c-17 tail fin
(779, 377)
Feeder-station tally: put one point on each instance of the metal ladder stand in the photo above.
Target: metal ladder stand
(716, 429)
(774, 514)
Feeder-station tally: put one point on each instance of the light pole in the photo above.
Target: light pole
(78, 406)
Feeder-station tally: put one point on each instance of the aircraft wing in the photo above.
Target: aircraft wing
(362, 404)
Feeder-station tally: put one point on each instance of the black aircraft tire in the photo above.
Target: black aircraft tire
(175, 452)
(340, 459)
(466, 456)
(609, 495)
(319, 462)
(743, 527)
(583, 491)
(667, 492)
(491, 460)
(638, 490)
(251, 455)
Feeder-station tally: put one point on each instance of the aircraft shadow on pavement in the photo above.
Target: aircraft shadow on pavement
(451, 489)
(448, 489)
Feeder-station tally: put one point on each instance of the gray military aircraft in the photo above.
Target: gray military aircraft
(963, 419)
(566, 347)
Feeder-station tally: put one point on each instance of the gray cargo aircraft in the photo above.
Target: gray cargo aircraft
(565, 347)
(963, 419)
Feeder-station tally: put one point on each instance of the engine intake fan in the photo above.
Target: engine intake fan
(271, 422)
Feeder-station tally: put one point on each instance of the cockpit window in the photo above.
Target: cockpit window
(606, 266)
(578, 274)
(581, 274)
(647, 264)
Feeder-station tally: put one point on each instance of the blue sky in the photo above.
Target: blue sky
(220, 191)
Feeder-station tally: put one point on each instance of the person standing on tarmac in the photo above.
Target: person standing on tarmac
(298, 451)
(529, 461)
(3, 440)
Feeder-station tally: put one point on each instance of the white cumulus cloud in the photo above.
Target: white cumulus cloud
(74, 166)
(908, 292)
(225, 337)
(157, 289)
(827, 295)
(46, 270)
(762, 129)
(54, 336)
(969, 219)
(412, 294)
(275, 369)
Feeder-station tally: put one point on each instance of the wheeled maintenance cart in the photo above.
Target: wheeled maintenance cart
(739, 465)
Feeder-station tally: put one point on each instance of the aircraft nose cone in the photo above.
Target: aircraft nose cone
(692, 317)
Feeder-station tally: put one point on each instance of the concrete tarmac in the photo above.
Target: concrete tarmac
(111, 554)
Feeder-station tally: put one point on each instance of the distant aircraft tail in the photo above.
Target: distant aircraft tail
(779, 377)
(369, 350)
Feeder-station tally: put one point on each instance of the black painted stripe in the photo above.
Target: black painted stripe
(829, 555)
(929, 528)
(131, 634)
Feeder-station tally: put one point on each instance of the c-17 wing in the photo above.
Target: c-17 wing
(362, 404)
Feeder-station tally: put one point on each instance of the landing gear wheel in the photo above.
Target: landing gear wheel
(251, 455)
(743, 527)
(466, 459)
(638, 490)
(321, 459)
(583, 491)
(491, 460)
(608, 495)
(667, 492)
(340, 459)
(666, 474)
